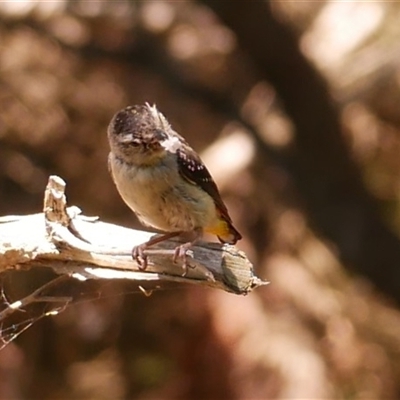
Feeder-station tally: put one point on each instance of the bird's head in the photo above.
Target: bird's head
(137, 134)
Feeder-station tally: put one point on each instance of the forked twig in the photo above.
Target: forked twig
(35, 297)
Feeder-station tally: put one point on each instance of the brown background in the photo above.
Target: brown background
(294, 106)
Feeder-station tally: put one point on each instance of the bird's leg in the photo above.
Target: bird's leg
(138, 251)
(180, 251)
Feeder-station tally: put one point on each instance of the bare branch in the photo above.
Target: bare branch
(35, 297)
(86, 248)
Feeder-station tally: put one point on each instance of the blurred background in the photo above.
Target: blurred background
(294, 107)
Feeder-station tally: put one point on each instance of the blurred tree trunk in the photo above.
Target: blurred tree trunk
(330, 183)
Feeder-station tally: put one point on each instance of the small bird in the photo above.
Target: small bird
(164, 181)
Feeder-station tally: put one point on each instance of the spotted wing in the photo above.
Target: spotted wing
(191, 167)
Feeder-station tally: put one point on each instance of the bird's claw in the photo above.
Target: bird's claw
(139, 256)
(181, 252)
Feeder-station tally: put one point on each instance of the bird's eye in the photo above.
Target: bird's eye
(135, 143)
(160, 135)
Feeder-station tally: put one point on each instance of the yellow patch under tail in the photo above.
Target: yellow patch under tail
(225, 231)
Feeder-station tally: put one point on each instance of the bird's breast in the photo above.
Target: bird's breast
(160, 197)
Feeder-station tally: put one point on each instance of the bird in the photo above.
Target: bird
(164, 182)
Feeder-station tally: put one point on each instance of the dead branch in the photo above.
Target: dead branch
(35, 297)
(86, 248)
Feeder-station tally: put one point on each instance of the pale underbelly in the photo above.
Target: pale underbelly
(169, 205)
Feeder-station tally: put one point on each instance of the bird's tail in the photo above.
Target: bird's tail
(230, 234)
(225, 231)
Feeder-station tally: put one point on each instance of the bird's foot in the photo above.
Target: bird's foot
(181, 253)
(139, 256)
(138, 251)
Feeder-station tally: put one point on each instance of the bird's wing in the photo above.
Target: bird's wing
(191, 168)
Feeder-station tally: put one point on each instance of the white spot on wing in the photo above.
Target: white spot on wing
(171, 144)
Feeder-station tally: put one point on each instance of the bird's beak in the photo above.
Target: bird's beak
(160, 135)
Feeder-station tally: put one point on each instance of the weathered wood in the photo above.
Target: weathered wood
(87, 248)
